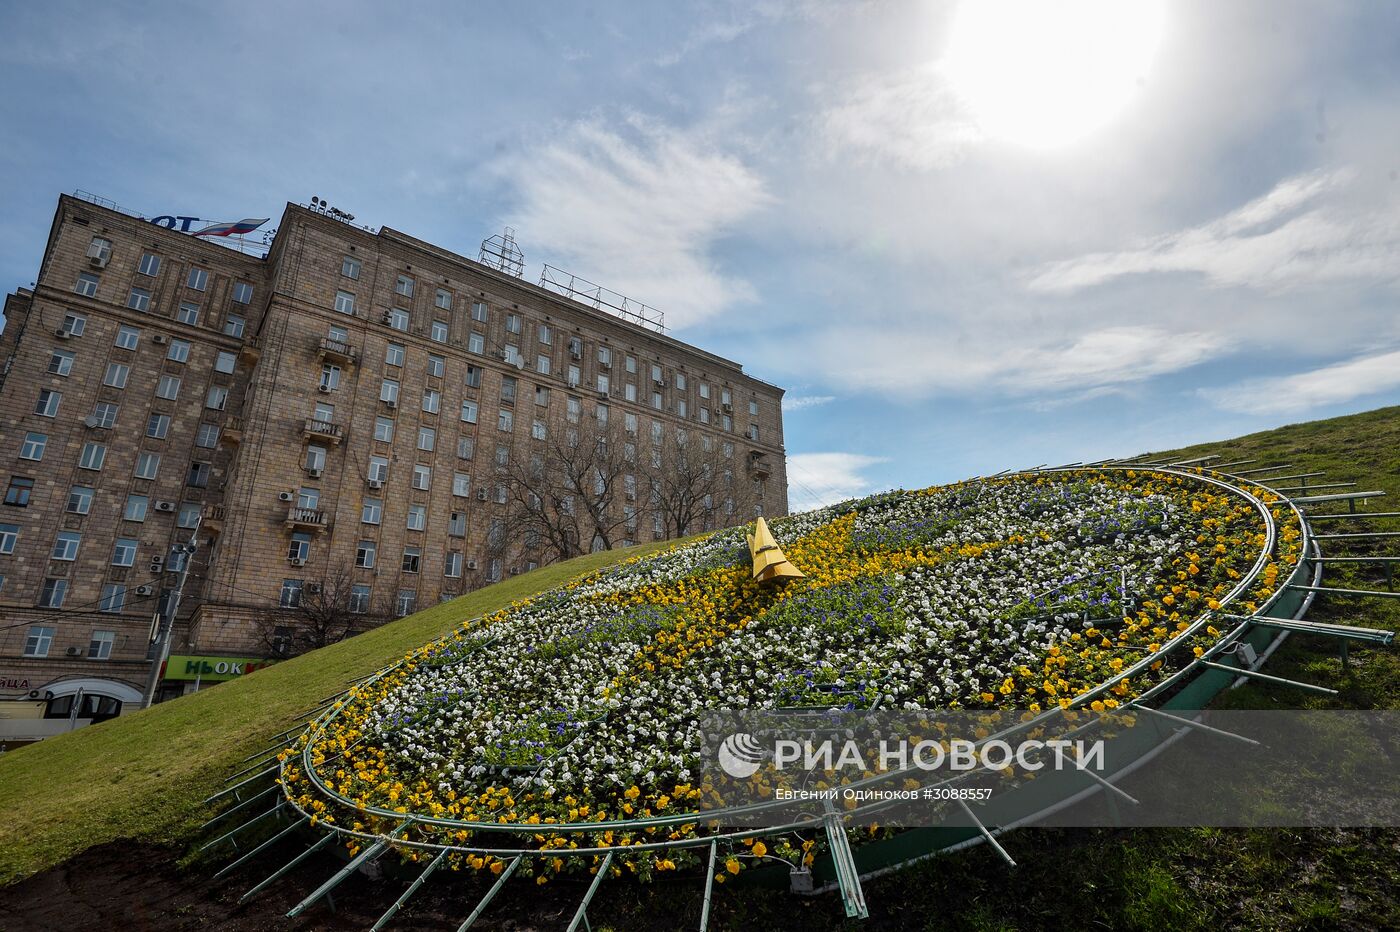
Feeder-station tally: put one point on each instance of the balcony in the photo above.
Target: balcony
(308, 518)
(251, 351)
(233, 430)
(212, 518)
(321, 430)
(759, 467)
(334, 351)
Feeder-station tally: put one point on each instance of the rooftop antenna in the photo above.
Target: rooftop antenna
(501, 253)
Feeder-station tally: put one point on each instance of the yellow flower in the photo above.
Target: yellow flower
(759, 849)
(732, 865)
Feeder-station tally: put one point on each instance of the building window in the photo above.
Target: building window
(242, 293)
(124, 552)
(508, 389)
(168, 387)
(41, 636)
(116, 375)
(457, 524)
(404, 286)
(60, 363)
(656, 401)
(198, 279)
(207, 436)
(479, 312)
(359, 599)
(574, 376)
(80, 499)
(513, 323)
(437, 331)
(538, 431)
(139, 299)
(345, 302)
(150, 264)
(86, 285)
(315, 457)
(179, 351)
(412, 559)
(545, 335)
(542, 363)
(92, 456)
(217, 398)
(225, 362)
(9, 536)
(502, 455)
(573, 409)
(493, 572)
(384, 429)
(476, 343)
(299, 548)
(437, 366)
(48, 403)
(113, 601)
(189, 513)
(74, 323)
(422, 476)
(389, 391)
(461, 484)
(505, 420)
(603, 384)
(147, 465)
(379, 468)
(393, 355)
(65, 546)
(372, 512)
(233, 326)
(403, 604)
(417, 519)
(135, 509)
(427, 439)
(53, 594)
(350, 268)
(33, 446)
(452, 564)
(364, 554)
(443, 299)
(432, 400)
(104, 415)
(398, 319)
(308, 498)
(290, 596)
(100, 644)
(198, 476)
(469, 411)
(330, 378)
(473, 376)
(466, 447)
(188, 313)
(128, 338)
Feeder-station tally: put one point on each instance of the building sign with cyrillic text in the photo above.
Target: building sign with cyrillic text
(211, 669)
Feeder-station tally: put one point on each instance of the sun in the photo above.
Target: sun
(1044, 74)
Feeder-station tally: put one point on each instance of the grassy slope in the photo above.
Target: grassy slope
(144, 775)
(58, 796)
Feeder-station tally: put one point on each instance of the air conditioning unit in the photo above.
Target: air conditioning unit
(285, 496)
(63, 333)
(387, 318)
(157, 564)
(145, 590)
(727, 408)
(297, 561)
(74, 652)
(391, 403)
(515, 571)
(315, 473)
(376, 483)
(165, 506)
(481, 495)
(92, 420)
(605, 363)
(98, 262)
(313, 588)
(471, 564)
(323, 388)
(160, 339)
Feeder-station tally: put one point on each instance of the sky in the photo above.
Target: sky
(963, 239)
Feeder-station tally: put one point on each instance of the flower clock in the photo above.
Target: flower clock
(565, 727)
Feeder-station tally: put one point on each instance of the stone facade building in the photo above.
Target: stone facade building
(337, 417)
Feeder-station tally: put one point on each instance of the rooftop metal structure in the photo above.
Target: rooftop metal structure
(585, 292)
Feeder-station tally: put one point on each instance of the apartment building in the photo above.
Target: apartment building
(343, 420)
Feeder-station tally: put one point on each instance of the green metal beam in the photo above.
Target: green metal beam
(412, 888)
(491, 894)
(580, 916)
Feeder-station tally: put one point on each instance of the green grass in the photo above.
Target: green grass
(145, 775)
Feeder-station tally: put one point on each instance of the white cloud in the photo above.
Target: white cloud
(817, 479)
(799, 402)
(1008, 359)
(1310, 229)
(639, 213)
(911, 118)
(1304, 391)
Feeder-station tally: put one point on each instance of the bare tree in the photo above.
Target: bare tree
(325, 613)
(694, 486)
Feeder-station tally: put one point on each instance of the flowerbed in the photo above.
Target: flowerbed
(578, 708)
